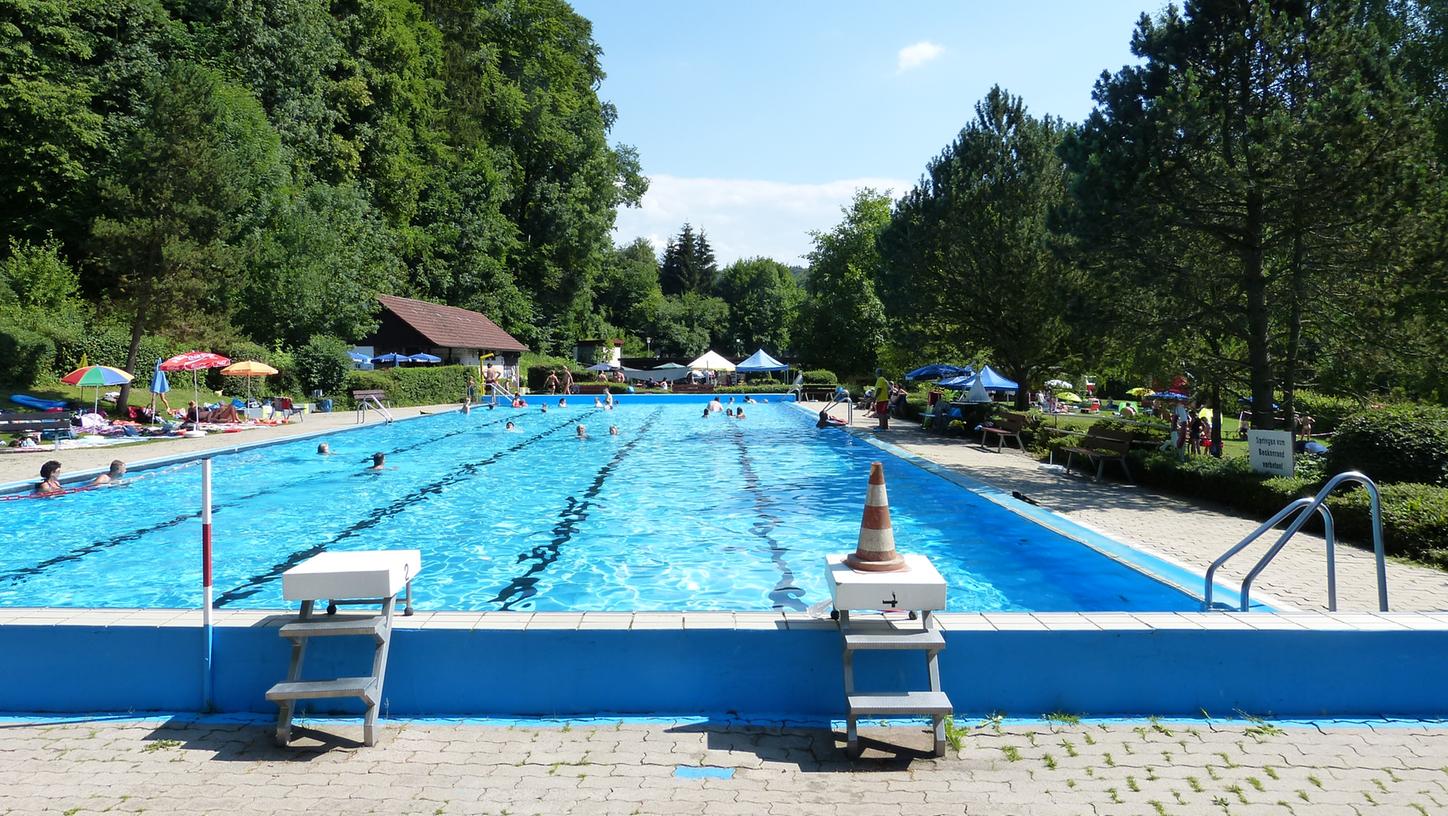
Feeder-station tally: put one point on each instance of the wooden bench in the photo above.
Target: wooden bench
(1007, 427)
(1100, 447)
(37, 422)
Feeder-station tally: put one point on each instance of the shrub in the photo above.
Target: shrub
(430, 385)
(1404, 443)
(752, 388)
(820, 376)
(109, 344)
(1327, 412)
(1415, 520)
(25, 356)
(322, 364)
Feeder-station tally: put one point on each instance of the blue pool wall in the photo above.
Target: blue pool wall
(750, 673)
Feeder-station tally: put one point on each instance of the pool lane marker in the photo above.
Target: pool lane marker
(25, 573)
(524, 586)
(378, 515)
(786, 593)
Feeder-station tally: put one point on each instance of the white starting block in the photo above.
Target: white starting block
(366, 577)
(918, 589)
(353, 577)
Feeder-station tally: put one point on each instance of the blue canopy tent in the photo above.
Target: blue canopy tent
(937, 371)
(760, 361)
(990, 379)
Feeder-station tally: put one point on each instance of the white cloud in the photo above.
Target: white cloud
(744, 217)
(917, 54)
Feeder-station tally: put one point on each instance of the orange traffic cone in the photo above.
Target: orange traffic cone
(875, 551)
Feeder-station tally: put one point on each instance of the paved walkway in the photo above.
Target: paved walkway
(18, 465)
(83, 767)
(1191, 532)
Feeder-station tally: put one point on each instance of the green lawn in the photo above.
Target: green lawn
(1231, 445)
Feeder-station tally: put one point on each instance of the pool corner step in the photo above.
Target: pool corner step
(362, 687)
(899, 703)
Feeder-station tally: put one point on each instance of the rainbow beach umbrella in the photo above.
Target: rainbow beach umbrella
(98, 377)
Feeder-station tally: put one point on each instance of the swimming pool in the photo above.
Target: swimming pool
(676, 512)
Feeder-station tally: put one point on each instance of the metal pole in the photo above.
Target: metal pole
(206, 701)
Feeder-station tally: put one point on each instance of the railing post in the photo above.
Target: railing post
(206, 599)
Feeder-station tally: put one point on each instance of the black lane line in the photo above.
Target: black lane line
(786, 594)
(25, 573)
(378, 515)
(525, 586)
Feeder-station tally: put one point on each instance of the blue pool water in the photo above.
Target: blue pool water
(675, 513)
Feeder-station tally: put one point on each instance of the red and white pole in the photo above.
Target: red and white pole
(206, 583)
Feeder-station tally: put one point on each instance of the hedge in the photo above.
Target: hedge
(820, 376)
(24, 356)
(1404, 443)
(1415, 520)
(431, 385)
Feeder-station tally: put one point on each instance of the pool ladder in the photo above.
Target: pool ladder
(371, 403)
(1299, 511)
(368, 688)
(884, 633)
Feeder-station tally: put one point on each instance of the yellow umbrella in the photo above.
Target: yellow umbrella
(1067, 396)
(1205, 413)
(248, 369)
(1139, 392)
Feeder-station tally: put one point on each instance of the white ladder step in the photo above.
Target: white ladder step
(900, 703)
(336, 627)
(887, 636)
(319, 689)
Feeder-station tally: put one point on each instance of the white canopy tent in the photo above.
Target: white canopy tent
(711, 361)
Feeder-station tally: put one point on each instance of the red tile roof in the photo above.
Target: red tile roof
(449, 326)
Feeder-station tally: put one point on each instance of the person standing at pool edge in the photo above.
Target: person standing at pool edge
(882, 399)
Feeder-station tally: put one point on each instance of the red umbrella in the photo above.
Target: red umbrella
(195, 361)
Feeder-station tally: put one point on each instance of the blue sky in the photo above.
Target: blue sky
(757, 120)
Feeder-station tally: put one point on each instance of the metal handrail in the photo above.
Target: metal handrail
(1302, 510)
(849, 409)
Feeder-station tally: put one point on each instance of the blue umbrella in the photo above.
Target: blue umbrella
(359, 357)
(936, 371)
(424, 358)
(1168, 395)
(394, 359)
(159, 383)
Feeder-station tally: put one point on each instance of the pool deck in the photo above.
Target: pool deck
(188, 765)
(1188, 531)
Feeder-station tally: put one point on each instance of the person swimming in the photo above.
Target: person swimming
(117, 471)
(543, 408)
(827, 421)
(510, 426)
(563, 402)
(597, 403)
(613, 430)
(581, 432)
(740, 413)
(323, 449)
(715, 406)
(729, 412)
(379, 459)
(49, 479)
(706, 412)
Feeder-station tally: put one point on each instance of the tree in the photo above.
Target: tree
(763, 303)
(198, 173)
(969, 248)
(688, 264)
(842, 322)
(627, 293)
(317, 269)
(1256, 136)
(689, 324)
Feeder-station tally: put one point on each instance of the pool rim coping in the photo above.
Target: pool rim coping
(1138, 557)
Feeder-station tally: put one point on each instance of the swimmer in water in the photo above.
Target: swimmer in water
(563, 403)
(323, 449)
(510, 426)
(582, 432)
(49, 479)
(378, 460)
(597, 403)
(706, 412)
(543, 408)
(115, 474)
(740, 413)
(729, 412)
(613, 430)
